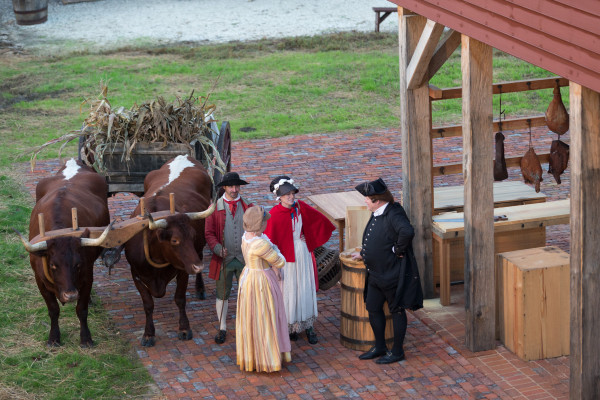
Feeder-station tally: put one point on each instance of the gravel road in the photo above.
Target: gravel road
(107, 24)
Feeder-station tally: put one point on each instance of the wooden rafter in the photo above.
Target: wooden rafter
(419, 62)
(444, 50)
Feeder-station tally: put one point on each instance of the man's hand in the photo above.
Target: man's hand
(356, 255)
(223, 252)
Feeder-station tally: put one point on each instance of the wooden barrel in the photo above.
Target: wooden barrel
(355, 329)
(30, 12)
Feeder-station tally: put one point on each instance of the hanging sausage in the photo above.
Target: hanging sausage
(500, 171)
(530, 165)
(557, 118)
(559, 159)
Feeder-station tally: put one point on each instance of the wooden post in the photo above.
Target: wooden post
(41, 224)
(585, 236)
(416, 150)
(172, 202)
(74, 218)
(142, 207)
(476, 61)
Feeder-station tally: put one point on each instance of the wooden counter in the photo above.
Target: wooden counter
(524, 228)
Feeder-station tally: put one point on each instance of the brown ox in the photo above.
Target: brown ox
(68, 274)
(173, 245)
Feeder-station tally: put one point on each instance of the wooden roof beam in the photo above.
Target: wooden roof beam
(444, 50)
(509, 124)
(419, 62)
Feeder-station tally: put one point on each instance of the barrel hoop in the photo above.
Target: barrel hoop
(31, 12)
(352, 289)
(361, 319)
(356, 341)
(353, 269)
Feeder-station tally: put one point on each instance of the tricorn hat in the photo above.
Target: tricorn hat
(255, 219)
(372, 188)
(231, 179)
(282, 185)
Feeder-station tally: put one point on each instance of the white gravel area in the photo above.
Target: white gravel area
(106, 24)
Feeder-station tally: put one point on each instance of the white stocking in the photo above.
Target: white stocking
(222, 313)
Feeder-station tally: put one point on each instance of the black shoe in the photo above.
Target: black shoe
(220, 338)
(372, 353)
(311, 336)
(390, 358)
(294, 336)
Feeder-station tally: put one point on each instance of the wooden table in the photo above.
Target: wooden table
(446, 198)
(524, 228)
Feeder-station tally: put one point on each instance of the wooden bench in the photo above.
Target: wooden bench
(381, 13)
(524, 227)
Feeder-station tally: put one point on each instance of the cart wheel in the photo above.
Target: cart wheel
(224, 148)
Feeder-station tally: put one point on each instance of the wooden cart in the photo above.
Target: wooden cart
(128, 176)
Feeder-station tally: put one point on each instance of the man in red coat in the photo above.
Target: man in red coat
(223, 231)
(297, 229)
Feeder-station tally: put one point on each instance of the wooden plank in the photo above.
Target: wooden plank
(509, 124)
(451, 198)
(451, 225)
(357, 218)
(333, 205)
(585, 236)
(508, 87)
(449, 169)
(476, 62)
(417, 192)
(448, 44)
(419, 62)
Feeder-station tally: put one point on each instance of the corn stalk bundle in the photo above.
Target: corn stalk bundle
(106, 129)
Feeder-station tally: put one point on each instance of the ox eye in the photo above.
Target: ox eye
(175, 242)
(53, 266)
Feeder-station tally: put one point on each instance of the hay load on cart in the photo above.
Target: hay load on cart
(124, 145)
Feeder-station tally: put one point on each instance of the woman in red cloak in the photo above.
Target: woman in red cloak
(297, 229)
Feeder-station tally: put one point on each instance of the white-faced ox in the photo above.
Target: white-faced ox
(68, 272)
(171, 247)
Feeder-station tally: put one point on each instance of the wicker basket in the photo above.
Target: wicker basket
(328, 267)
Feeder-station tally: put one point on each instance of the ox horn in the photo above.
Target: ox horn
(152, 225)
(32, 248)
(99, 240)
(202, 214)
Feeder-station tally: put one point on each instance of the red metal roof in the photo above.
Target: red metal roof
(561, 36)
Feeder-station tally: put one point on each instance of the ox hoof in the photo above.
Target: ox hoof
(88, 344)
(201, 295)
(148, 341)
(185, 335)
(53, 343)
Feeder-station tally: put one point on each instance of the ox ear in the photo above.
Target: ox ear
(163, 235)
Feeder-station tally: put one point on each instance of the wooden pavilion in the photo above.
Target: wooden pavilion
(561, 36)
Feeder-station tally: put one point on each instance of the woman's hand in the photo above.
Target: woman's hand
(356, 255)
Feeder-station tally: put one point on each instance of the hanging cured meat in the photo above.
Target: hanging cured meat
(557, 118)
(559, 159)
(500, 171)
(531, 169)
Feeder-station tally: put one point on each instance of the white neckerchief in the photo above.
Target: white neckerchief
(380, 210)
(226, 199)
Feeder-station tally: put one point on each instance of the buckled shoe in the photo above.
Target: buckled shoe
(390, 358)
(372, 353)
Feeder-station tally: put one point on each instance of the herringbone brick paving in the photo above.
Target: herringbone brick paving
(438, 365)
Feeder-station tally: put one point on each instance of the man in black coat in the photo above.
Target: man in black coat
(392, 273)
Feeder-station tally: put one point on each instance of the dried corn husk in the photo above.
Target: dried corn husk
(107, 128)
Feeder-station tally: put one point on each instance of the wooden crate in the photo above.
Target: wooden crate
(533, 294)
(503, 241)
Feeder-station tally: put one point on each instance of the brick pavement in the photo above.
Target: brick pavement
(437, 366)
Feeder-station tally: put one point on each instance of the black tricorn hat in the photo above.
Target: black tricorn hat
(372, 188)
(231, 179)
